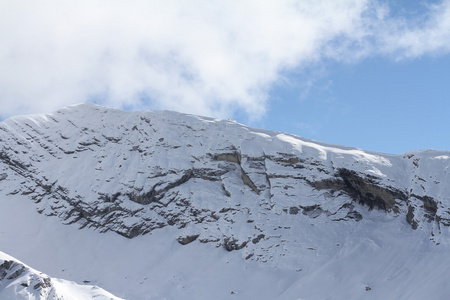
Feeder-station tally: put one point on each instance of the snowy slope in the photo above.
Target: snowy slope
(18, 281)
(180, 206)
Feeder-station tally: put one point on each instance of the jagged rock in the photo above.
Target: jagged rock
(43, 283)
(258, 238)
(233, 244)
(293, 210)
(184, 240)
(354, 215)
(312, 211)
(410, 217)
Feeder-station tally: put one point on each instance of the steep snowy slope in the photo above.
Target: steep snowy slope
(18, 281)
(161, 195)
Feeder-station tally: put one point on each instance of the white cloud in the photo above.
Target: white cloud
(205, 57)
(427, 35)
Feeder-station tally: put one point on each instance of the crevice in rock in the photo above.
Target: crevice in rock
(155, 195)
(236, 158)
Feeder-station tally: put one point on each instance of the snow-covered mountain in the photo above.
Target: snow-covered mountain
(178, 206)
(19, 281)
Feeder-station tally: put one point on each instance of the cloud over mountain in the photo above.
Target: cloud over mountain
(213, 58)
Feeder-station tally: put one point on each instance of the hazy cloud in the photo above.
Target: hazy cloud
(426, 34)
(205, 57)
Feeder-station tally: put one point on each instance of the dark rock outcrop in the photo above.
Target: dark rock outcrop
(363, 189)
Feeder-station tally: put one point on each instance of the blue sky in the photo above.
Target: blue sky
(377, 104)
(366, 73)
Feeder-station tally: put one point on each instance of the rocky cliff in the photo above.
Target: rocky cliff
(217, 181)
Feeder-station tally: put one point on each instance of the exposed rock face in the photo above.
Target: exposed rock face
(135, 172)
(365, 190)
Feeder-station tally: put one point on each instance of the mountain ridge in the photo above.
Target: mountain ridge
(270, 197)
